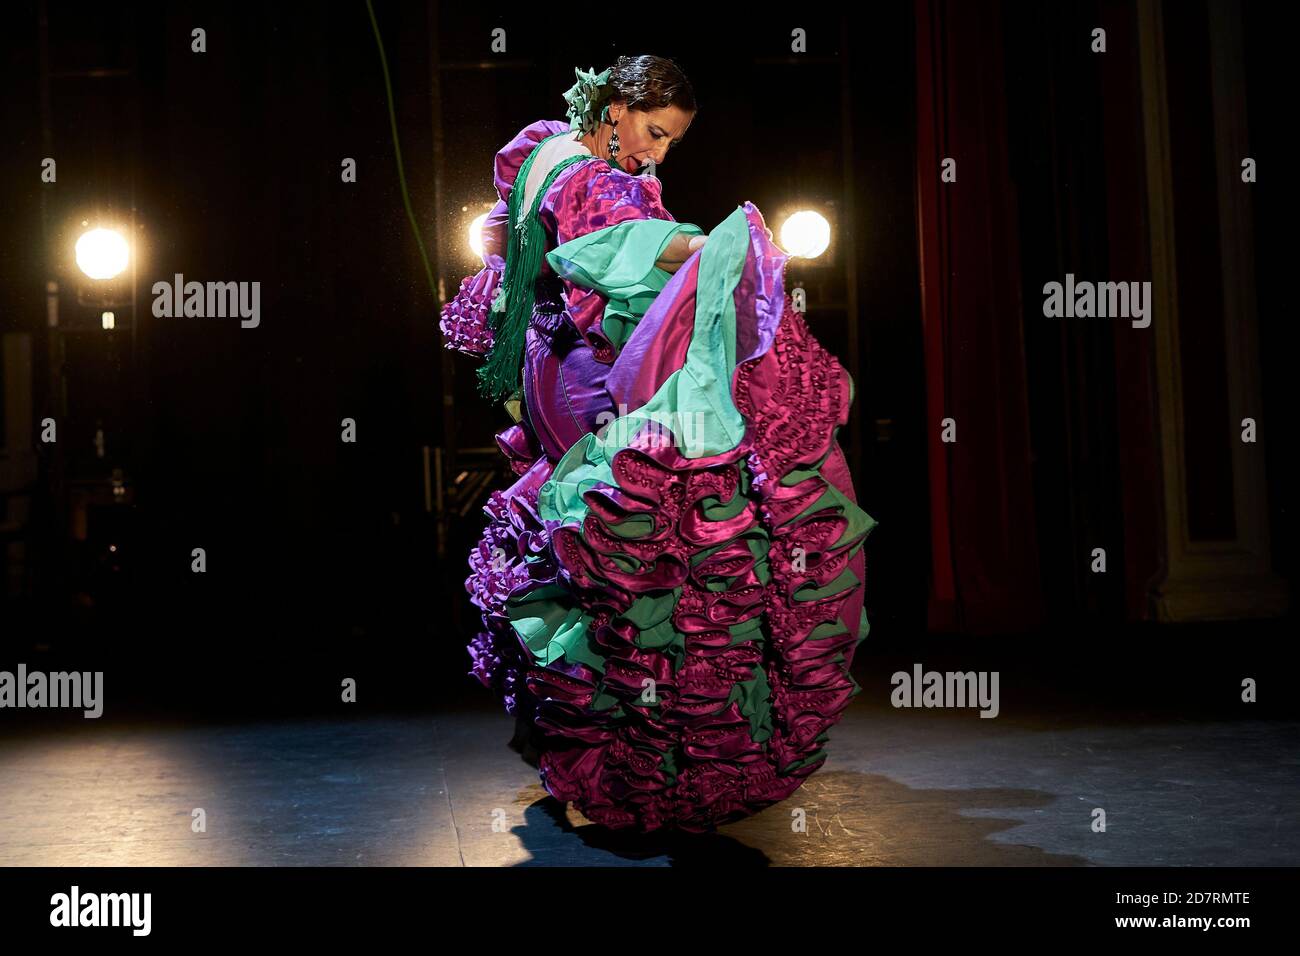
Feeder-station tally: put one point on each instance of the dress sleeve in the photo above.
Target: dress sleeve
(597, 196)
(464, 319)
(611, 228)
(494, 237)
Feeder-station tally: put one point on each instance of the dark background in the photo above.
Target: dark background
(322, 559)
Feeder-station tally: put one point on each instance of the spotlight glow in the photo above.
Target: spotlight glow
(476, 234)
(806, 234)
(102, 253)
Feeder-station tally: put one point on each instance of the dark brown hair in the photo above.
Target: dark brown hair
(651, 83)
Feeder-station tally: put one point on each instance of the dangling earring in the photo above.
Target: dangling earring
(613, 142)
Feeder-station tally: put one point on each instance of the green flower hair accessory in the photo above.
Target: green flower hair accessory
(586, 99)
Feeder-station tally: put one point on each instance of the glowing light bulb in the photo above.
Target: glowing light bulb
(476, 234)
(806, 234)
(102, 253)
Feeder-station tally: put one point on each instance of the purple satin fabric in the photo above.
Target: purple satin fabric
(505, 169)
(596, 197)
(793, 396)
(564, 384)
(566, 354)
(574, 380)
(660, 341)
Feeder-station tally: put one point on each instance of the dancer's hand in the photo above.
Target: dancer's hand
(679, 249)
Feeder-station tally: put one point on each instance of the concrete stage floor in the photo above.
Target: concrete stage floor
(899, 788)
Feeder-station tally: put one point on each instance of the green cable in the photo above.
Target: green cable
(397, 152)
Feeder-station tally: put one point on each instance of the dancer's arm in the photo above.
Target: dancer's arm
(678, 250)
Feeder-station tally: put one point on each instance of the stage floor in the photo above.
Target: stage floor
(899, 788)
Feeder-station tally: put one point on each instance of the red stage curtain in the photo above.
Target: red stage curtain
(984, 554)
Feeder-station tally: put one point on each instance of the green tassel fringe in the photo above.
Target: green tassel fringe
(499, 376)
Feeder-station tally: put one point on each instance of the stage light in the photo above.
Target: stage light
(102, 253)
(476, 234)
(805, 234)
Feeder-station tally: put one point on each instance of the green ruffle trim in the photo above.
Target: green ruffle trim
(553, 626)
(619, 263)
(614, 262)
(695, 401)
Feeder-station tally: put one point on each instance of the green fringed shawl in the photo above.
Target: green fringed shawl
(498, 377)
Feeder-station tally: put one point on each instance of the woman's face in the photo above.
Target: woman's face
(645, 136)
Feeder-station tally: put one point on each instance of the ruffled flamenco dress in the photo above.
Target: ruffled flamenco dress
(672, 590)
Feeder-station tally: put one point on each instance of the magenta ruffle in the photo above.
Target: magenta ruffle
(794, 397)
(519, 445)
(595, 196)
(499, 567)
(464, 320)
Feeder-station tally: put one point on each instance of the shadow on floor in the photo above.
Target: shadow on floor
(849, 819)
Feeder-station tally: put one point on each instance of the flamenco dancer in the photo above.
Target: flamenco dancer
(671, 591)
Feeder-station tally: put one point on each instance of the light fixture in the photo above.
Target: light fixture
(106, 319)
(805, 234)
(476, 234)
(102, 253)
